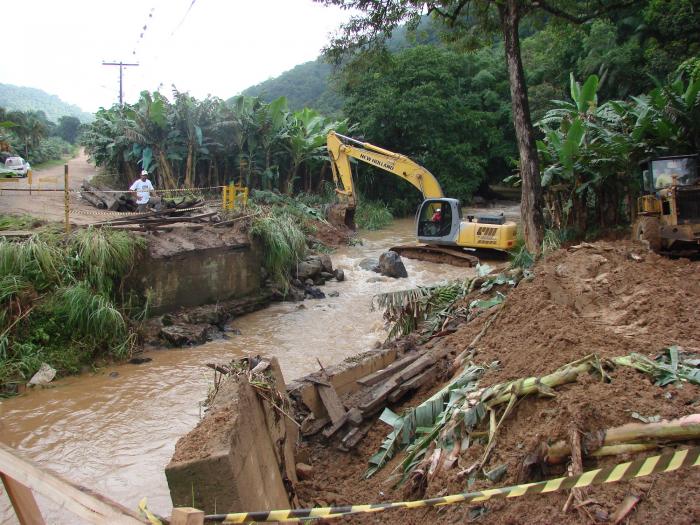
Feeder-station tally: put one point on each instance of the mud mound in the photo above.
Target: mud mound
(604, 298)
(608, 299)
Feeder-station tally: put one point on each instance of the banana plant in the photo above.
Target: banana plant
(147, 125)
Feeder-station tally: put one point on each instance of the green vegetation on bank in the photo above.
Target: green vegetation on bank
(284, 241)
(61, 302)
(372, 215)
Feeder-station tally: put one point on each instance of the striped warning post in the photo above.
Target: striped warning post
(623, 471)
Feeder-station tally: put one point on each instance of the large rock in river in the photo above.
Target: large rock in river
(391, 265)
(312, 267)
(309, 269)
(185, 334)
(370, 264)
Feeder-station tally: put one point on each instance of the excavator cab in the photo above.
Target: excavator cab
(438, 221)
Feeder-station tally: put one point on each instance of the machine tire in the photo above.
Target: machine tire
(648, 230)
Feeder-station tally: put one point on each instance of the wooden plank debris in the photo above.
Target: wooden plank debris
(90, 506)
(355, 416)
(381, 393)
(377, 397)
(317, 381)
(336, 426)
(415, 368)
(332, 402)
(22, 501)
(413, 384)
(352, 438)
(399, 364)
(311, 425)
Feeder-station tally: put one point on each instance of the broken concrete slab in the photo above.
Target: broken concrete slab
(240, 456)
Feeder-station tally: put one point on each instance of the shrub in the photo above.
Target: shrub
(284, 242)
(372, 215)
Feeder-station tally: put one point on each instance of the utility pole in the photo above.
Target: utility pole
(121, 65)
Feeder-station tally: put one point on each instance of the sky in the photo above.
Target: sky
(217, 47)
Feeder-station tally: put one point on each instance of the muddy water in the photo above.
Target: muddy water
(116, 429)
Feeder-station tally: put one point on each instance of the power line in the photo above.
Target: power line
(121, 65)
(143, 31)
(184, 17)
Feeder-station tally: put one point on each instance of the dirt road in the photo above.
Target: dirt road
(49, 206)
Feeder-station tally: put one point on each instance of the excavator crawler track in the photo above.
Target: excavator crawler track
(438, 254)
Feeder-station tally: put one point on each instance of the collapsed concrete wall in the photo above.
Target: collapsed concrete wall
(343, 377)
(241, 455)
(200, 267)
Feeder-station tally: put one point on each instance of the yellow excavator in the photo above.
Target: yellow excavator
(439, 221)
(668, 212)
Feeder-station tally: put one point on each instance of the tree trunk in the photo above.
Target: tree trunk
(321, 177)
(188, 166)
(531, 200)
(291, 178)
(129, 173)
(166, 171)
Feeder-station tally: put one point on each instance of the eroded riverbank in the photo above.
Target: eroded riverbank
(116, 429)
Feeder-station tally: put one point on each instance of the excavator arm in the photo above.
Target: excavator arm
(342, 148)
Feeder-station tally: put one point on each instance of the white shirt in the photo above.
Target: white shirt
(142, 187)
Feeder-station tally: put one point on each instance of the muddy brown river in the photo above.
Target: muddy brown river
(115, 430)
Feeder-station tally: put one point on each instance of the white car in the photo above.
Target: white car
(17, 165)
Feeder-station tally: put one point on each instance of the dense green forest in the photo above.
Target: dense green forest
(19, 98)
(33, 136)
(449, 105)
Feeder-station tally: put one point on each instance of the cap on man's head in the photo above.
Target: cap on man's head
(144, 172)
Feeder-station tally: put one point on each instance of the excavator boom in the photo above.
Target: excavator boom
(342, 148)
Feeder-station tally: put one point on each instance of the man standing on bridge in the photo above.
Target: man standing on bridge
(142, 187)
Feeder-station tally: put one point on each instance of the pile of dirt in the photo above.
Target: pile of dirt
(610, 299)
(184, 239)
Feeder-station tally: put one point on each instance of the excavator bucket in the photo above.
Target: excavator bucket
(341, 215)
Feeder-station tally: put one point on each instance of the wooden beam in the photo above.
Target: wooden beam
(81, 501)
(23, 502)
(187, 516)
(399, 364)
(16, 233)
(334, 407)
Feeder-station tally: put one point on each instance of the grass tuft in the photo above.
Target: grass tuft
(284, 241)
(372, 215)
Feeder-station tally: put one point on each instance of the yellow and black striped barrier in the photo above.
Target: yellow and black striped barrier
(623, 471)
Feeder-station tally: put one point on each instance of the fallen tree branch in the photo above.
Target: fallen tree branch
(626, 438)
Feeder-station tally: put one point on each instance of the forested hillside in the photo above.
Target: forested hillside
(304, 86)
(18, 98)
(310, 85)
